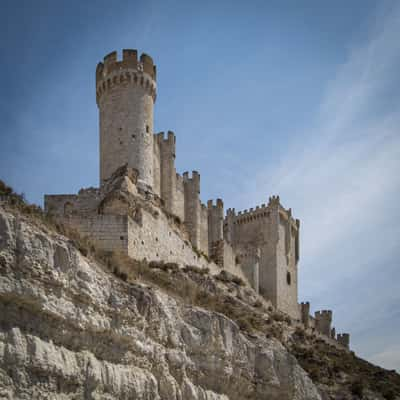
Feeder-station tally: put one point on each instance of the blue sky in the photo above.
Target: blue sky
(299, 99)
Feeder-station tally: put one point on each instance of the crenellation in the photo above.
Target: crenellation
(130, 56)
(147, 210)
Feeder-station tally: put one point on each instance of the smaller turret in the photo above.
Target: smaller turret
(344, 339)
(305, 313)
(229, 225)
(333, 333)
(167, 169)
(323, 320)
(215, 220)
(192, 206)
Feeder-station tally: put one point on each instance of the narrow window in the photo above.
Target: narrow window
(288, 278)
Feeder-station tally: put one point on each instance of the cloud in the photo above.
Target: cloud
(342, 179)
(390, 357)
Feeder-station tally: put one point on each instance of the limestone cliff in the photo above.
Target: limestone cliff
(70, 329)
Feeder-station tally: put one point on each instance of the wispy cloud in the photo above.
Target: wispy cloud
(342, 180)
(390, 357)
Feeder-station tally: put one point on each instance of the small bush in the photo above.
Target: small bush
(288, 320)
(278, 317)
(5, 190)
(225, 276)
(237, 280)
(257, 304)
(196, 270)
(174, 267)
(299, 332)
(244, 324)
(357, 388)
(156, 264)
(389, 394)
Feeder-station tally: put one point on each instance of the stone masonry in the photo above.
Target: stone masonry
(144, 208)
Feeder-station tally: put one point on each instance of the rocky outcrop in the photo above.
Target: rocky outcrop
(71, 330)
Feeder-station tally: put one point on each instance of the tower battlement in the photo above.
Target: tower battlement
(251, 211)
(219, 204)
(324, 314)
(170, 139)
(194, 181)
(129, 61)
(264, 211)
(129, 70)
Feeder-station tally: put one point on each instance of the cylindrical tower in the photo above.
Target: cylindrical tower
(125, 95)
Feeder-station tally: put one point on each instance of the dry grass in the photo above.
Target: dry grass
(328, 365)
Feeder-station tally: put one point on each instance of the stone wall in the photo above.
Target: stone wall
(85, 202)
(109, 232)
(153, 238)
(249, 259)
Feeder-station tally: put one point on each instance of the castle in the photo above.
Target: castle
(146, 210)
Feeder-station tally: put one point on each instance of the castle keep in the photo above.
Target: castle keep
(147, 210)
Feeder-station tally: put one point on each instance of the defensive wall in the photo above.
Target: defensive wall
(322, 324)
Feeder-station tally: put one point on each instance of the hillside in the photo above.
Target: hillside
(79, 323)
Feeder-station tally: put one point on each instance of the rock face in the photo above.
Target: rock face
(71, 330)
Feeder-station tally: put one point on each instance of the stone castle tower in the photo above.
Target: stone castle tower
(156, 214)
(125, 96)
